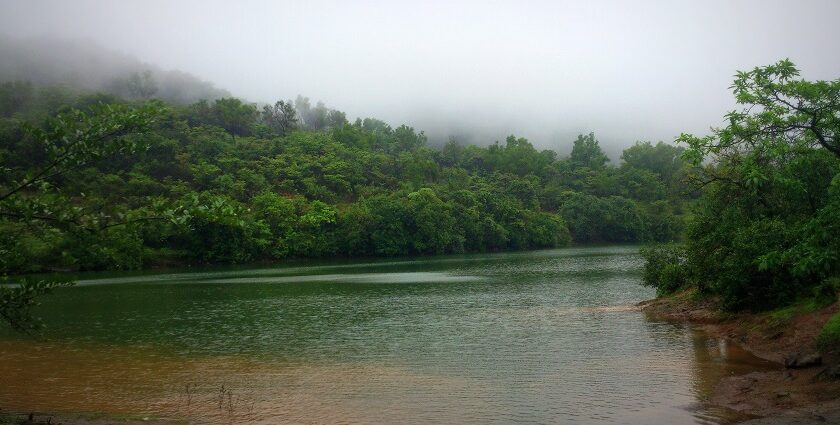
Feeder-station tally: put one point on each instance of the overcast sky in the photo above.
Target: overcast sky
(546, 70)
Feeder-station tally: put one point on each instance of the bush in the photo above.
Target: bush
(825, 293)
(665, 268)
(118, 248)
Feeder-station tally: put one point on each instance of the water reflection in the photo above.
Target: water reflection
(543, 337)
(715, 359)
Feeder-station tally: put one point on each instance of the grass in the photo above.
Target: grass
(780, 318)
(783, 315)
(829, 336)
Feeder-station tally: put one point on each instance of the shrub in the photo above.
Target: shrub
(665, 268)
(826, 293)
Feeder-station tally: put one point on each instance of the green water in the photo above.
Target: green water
(537, 337)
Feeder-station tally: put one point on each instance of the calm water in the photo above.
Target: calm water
(538, 337)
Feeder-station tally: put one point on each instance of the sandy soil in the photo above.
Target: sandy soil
(789, 396)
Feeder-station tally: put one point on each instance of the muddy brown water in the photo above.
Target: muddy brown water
(537, 337)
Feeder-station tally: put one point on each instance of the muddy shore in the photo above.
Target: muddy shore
(7, 418)
(806, 387)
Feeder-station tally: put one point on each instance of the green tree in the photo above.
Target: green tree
(14, 97)
(282, 117)
(220, 229)
(759, 236)
(234, 116)
(72, 140)
(430, 223)
(587, 153)
(336, 119)
(141, 85)
(662, 158)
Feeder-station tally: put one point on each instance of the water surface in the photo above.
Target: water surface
(538, 337)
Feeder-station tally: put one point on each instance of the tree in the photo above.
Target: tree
(336, 119)
(327, 188)
(387, 231)
(663, 159)
(234, 116)
(518, 156)
(320, 117)
(221, 231)
(16, 301)
(14, 95)
(759, 236)
(781, 112)
(594, 219)
(587, 153)
(304, 111)
(142, 85)
(430, 222)
(75, 138)
(282, 117)
(639, 183)
(311, 118)
(72, 140)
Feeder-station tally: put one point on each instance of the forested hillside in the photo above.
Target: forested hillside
(92, 181)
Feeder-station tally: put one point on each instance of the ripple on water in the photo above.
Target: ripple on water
(544, 337)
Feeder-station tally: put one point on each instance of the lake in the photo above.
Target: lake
(536, 337)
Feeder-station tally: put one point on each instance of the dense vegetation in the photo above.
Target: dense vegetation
(225, 182)
(91, 181)
(766, 229)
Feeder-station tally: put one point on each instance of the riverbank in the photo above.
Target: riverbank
(806, 387)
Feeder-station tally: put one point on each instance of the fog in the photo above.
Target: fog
(471, 70)
(86, 65)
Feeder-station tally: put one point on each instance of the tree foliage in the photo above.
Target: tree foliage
(764, 230)
(281, 118)
(91, 182)
(32, 203)
(586, 152)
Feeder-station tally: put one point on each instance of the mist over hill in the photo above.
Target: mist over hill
(85, 65)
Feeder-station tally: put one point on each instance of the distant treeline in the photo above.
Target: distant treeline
(80, 66)
(226, 182)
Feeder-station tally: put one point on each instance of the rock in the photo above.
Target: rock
(798, 360)
(775, 335)
(828, 374)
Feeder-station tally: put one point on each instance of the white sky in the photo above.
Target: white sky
(545, 70)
